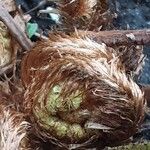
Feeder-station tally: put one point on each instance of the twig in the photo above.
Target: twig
(6, 69)
(43, 2)
(146, 89)
(119, 37)
(110, 38)
(14, 29)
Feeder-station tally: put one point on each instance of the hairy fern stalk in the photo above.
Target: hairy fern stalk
(83, 14)
(13, 127)
(11, 134)
(77, 93)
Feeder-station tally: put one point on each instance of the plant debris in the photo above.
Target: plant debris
(70, 71)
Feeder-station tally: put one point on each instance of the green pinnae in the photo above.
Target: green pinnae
(5, 41)
(56, 89)
(77, 131)
(44, 118)
(61, 128)
(47, 116)
(55, 101)
(76, 101)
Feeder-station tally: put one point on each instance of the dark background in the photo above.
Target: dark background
(134, 14)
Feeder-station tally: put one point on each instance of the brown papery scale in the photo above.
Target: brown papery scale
(13, 127)
(130, 54)
(78, 8)
(85, 14)
(77, 92)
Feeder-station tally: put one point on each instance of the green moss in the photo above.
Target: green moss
(137, 146)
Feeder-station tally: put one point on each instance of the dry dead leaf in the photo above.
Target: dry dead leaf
(8, 4)
(20, 22)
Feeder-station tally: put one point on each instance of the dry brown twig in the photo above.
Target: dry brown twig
(14, 29)
(80, 65)
(114, 37)
(119, 37)
(9, 4)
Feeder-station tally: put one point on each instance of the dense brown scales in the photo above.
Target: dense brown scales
(13, 127)
(111, 101)
(90, 15)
